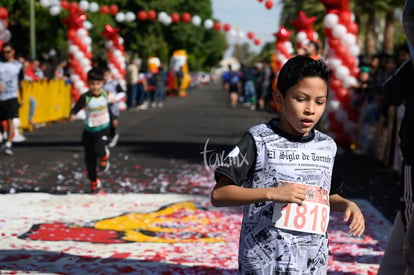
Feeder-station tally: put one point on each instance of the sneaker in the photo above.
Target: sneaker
(95, 186)
(114, 141)
(153, 105)
(7, 149)
(104, 162)
(160, 105)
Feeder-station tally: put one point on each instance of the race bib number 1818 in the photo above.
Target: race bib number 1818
(311, 217)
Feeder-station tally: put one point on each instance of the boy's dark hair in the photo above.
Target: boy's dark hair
(299, 67)
(96, 74)
(315, 44)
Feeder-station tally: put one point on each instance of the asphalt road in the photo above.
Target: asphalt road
(162, 151)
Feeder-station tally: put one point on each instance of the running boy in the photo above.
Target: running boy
(96, 126)
(282, 172)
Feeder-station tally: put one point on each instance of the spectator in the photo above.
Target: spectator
(11, 75)
(132, 83)
(248, 87)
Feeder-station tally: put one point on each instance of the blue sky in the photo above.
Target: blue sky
(249, 15)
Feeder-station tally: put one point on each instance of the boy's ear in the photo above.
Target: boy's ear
(277, 97)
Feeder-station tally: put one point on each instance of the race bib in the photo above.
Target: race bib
(311, 217)
(98, 119)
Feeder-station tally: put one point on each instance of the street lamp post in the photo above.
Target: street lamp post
(32, 30)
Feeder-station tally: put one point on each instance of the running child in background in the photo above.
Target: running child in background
(283, 173)
(115, 93)
(96, 126)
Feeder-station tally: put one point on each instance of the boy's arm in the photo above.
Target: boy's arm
(226, 193)
(352, 214)
(78, 106)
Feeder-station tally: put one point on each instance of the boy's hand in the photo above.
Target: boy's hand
(2, 88)
(289, 193)
(72, 118)
(353, 216)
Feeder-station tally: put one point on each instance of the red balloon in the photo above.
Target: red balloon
(175, 17)
(186, 17)
(113, 9)
(334, 42)
(340, 51)
(349, 61)
(152, 15)
(259, 0)
(142, 15)
(104, 9)
(353, 28)
(335, 84)
(64, 4)
(217, 25)
(269, 4)
(226, 27)
(342, 95)
(345, 17)
(257, 41)
(250, 35)
(73, 7)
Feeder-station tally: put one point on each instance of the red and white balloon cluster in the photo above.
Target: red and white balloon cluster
(304, 30)
(55, 7)
(284, 48)
(115, 53)
(80, 56)
(5, 34)
(341, 32)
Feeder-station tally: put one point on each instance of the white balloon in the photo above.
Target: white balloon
(168, 20)
(87, 40)
(87, 25)
(196, 20)
(84, 62)
(93, 7)
(342, 73)
(334, 63)
(79, 84)
(121, 40)
(55, 10)
(2, 26)
(162, 16)
(120, 17)
(339, 31)
(109, 44)
(330, 20)
(54, 2)
(79, 55)
(301, 37)
(232, 33)
(130, 16)
(208, 23)
(81, 32)
(334, 104)
(84, 5)
(348, 39)
(45, 3)
(354, 50)
(74, 77)
(73, 48)
(349, 82)
(241, 34)
(5, 36)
